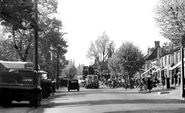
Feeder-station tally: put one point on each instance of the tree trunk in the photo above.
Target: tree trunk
(126, 82)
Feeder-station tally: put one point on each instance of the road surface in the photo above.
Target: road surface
(102, 100)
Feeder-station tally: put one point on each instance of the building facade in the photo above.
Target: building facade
(163, 62)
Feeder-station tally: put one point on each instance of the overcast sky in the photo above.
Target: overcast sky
(122, 20)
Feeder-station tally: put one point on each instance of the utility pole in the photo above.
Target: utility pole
(58, 68)
(182, 68)
(58, 51)
(36, 35)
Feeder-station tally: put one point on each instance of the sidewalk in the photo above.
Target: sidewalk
(171, 93)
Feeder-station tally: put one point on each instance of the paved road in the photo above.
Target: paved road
(106, 100)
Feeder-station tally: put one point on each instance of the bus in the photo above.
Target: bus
(92, 81)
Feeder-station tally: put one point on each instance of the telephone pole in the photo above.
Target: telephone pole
(36, 35)
(182, 69)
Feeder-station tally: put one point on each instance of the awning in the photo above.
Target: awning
(163, 68)
(156, 70)
(148, 70)
(175, 66)
(145, 72)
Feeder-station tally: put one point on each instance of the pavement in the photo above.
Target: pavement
(174, 92)
(114, 100)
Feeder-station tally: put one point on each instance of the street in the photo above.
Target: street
(103, 100)
(106, 100)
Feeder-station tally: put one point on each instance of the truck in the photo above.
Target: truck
(20, 82)
(92, 81)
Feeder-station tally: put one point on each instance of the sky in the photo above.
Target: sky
(121, 20)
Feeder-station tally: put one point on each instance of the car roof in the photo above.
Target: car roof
(22, 70)
(73, 80)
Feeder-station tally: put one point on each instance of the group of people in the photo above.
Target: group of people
(177, 78)
(148, 83)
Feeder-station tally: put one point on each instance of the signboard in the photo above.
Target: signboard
(167, 49)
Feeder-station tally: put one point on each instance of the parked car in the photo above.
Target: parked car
(46, 84)
(73, 85)
(19, 82)
(20, 85)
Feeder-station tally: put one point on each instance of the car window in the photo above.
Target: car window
(90, 77)
(95, 77)
(73, 81)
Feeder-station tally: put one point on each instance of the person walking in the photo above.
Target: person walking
(175, 77)
(149, 84)
(179, 78)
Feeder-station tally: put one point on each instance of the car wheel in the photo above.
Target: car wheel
(35, 100)
(5, 101)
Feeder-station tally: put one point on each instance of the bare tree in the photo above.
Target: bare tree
(100, 50)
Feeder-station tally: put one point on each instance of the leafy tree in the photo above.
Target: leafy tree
(70, 70)
(21, 42)
(100, 50)
(129, 59)
(170, 16)
(113, 65)
(7, 52)
(21, 14)
(80, 69)
(18, 16)
(52, 42)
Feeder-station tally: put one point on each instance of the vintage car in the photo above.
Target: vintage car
(19, 83)
(73, 85)
(92, 81)
(46, 84)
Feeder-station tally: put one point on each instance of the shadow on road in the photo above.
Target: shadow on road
(117, 101)
(180, 110)
(65, 95)
(17, 105)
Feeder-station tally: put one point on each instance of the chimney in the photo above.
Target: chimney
(157, 43)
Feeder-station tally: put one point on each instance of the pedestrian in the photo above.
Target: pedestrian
(149, 84)
(163, 80)
(179, 78)
(175, 77)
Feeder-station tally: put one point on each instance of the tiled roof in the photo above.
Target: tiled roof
(152, 55)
